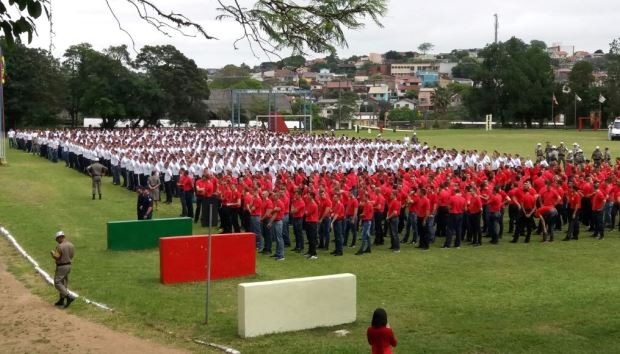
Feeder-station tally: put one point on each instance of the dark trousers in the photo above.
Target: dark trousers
(378, 221)
(338, 231)
(124, 175)
(455, 224)
(599, 227)
(394, 238)
(573, 226)
(168, 190)
(311, 233)
(442, 221)
(424, 234)
(493, 228)
(189, 203)
(473, 228)
(267, 236)
(324, 230)
(524, 224)
(513, 215)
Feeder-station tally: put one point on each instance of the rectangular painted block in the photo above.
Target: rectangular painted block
(296, 304)
(184, 259)
(144, 234)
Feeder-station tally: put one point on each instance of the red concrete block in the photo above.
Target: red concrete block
(184, 259)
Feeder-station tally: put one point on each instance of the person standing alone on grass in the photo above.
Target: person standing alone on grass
(63, 256)
(380, 336)
(96, 170)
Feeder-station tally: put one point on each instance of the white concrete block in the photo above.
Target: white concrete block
(296, 304)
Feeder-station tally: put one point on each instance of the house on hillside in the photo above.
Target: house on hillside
(405, 102)
(379, 93)
(425, 99)
(428, 78)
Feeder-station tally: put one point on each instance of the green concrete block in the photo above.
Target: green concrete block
(144, 234)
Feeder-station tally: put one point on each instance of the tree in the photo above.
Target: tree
(347, 106)
(35, 89)
(425, 47)
(271, 25)
(183, 84)
(292, 62)
(75, 75)
(612, 84)
(514, 83)
(441, 99)
(467, 68)
(393, 55)
(402, 114)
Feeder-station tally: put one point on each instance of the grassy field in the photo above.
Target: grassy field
(561, 297)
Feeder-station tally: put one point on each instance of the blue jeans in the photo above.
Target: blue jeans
(350, 226)
(412, 225)
(607, 216)
(268, 234)
(338, 231)
(494, 218)
(324, 233)
(257, 230)
(297, 231)
(365, 236)
(277, 230)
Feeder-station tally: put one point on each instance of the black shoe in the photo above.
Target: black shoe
(513, 241)
(566, 239)
(93, 197)
(338, 254)
(359, 253)
(60, 302)
(99, 196)
(69, 301)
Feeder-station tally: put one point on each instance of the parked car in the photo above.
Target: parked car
(614, 129)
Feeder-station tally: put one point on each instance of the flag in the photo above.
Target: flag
(555, 101)
(577, 97)
(601, 99)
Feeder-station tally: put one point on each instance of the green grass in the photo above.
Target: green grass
(560, 297)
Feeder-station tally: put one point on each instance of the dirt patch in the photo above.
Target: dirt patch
(30, 325)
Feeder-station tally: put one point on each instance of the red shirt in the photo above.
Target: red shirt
(299, 206)
(187, 183)
(351, 207)
(598, 200)
(324, 204)
(312, 210)
(528, 202)
(394, 208)
(257, 203)
(574, 201)
(444, 198)
(474, 205)
(279, 203)
(424, 207)
(267, 208)
(495, 203)
(457, 204)
(367, 211)
(381, 340)
(338, 210)
(549, 196)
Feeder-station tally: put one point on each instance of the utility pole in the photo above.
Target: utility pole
(496, 27)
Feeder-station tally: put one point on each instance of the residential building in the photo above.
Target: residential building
(428, 78)
(406, 83)
(425, 99)
(324, 76)
(446, 68)
(375, 58)
(406, 69)
(379, 93)
(405, 102)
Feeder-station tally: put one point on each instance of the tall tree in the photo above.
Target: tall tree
(183, 84)
(426, 47)
(35, 89)
(612, 84)
(441, 99)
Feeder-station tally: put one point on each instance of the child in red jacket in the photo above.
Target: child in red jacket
(379, 334)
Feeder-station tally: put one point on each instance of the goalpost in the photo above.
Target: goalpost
(303, 121)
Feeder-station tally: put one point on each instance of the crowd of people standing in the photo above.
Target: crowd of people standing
(321, 186)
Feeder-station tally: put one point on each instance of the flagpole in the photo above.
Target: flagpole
(575, 110)
(552, 103)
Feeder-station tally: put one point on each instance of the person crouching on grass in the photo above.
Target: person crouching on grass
(380, 336)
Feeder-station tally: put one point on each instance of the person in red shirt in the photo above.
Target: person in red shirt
(379, 217)
(443, 199)
(598, 206)
(527, 208)
(278, 215)
(368, 211)
(474, 212)
(233, 202)
(200, 196)
(267, 221)
(297, 211)
(412, 218)
(393, 216)
(351, 213)
(574, 205)
(325, 211)
(549, 198)
(380, 336)
(255, 209)
(456, 208)
(312, 219)
(423, 212)
(186, 183)
(495, 203)
(338, 223)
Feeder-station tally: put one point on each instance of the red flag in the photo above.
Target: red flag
(555, 101)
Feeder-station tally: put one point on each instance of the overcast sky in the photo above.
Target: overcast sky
(587, 25)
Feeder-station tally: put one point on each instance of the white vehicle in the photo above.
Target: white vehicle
(614, 129)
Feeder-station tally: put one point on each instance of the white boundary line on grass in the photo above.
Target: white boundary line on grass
(48, 279)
